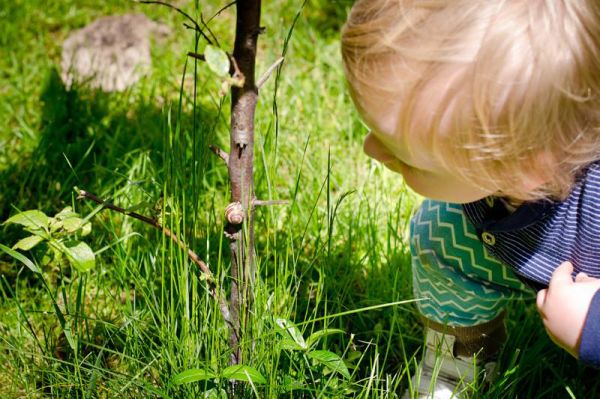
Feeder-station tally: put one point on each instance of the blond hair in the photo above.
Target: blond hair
(522, 83)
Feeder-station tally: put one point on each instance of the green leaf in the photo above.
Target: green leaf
(215, 393)
(69, 335)
(192, 375)
(57, 254)
(55, 224)
(21, 258)
(27, 243)
(317, 335)
(47, 257)
(66, 326)
(217, 60)
(67, 212)
(81, 256)
(243, 373)
(33, 219)
(72, 224)
(291, 329)
(86, 229)
(290, 384)
(289, 344)
(331, 360)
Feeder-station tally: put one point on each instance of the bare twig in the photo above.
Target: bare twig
(203, 267)
(220, 11)
(209, 31)
(269, 202)
(268, 73)
(196, 56)
(188, 26)
(237, 74)
(179, 10)
(220, 153)
(154, 223)
(196, 28)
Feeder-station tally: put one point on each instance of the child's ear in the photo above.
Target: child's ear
(540, 170)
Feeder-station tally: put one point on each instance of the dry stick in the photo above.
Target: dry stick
(204, 269)
(268, 73)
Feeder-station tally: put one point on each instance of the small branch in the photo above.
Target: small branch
(220, 11)
(268, 73)
(196, 56)
(154, 223)
(237, 75)
(179, 10)
(269, 203)
(209, 31)
(82, 194)
(220, 153)
(217, 294)
(188, 26)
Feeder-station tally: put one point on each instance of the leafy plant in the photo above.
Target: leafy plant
(293, 340)
(62, 233)
(303, 352)
(231, 373)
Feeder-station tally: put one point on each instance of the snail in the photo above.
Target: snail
(234, 213)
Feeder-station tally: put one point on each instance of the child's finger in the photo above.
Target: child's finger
(562, 275)
(580, 277)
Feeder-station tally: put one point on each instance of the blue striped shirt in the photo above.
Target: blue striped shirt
(537, 237)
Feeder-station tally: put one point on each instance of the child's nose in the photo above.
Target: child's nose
(376, 150)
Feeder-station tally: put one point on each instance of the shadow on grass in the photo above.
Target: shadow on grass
(94, 140)
(101, 143)
(85, 140)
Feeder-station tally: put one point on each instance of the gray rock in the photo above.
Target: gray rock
(112, 53)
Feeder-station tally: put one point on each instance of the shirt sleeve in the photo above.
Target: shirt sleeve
(589, 347)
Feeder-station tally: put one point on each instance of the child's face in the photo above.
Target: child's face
(404, 153)
(424, 177)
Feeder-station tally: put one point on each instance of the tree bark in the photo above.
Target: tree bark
(240, 164)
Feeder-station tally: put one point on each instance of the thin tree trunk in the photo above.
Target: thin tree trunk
(243, 106)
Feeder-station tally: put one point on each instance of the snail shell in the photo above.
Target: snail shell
(234, 213)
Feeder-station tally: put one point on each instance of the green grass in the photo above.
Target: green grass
(325, 260)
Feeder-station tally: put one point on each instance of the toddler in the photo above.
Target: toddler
(491, 111)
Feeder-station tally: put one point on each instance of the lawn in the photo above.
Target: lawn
(333, 262)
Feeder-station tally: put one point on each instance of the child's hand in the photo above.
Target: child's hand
(564, 306)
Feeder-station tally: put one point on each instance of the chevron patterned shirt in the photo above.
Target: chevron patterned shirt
(537, 237)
